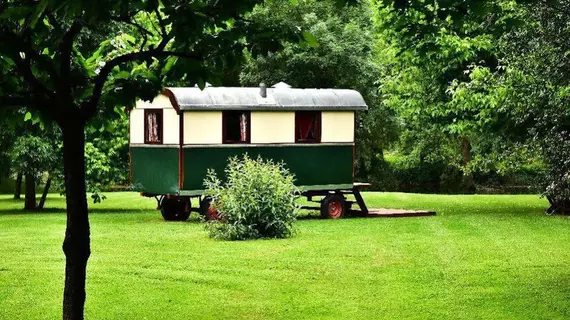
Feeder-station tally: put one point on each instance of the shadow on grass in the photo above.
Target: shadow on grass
(9, 206)
(63, 211)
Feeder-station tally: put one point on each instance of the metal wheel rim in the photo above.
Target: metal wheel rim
(335, 209)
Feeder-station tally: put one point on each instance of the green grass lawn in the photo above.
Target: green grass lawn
(492, 257)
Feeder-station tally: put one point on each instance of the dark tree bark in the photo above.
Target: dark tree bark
(18, 187)
(45, 193)
(76, 245)
(466, 150)
(467, 182)
(30, 202)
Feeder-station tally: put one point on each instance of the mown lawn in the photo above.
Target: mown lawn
(493, 257)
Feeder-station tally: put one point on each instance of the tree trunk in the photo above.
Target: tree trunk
(30, 202)
(466, 150)
(18, 187)
(45, 193)
(467, 182)
(76, 245)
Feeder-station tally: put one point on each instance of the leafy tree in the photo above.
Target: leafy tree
(532, 88)
(511, 87)
(338, 53)
(33, 156)
(428, 50)
(51, 63)
(107, 157)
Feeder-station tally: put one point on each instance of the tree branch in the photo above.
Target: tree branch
(89, 107)
(24, 63)
(53, 21)
(142, 30)
(164, 33)
(3, 6)
(13, 101)
(65, 49)
(26, 100)
(160, 20)
(26, 71)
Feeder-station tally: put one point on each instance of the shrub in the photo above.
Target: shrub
(256, 200)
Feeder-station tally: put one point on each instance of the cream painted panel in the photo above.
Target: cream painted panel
(337, 126)
(137, 126)
(272, 127)
(160, 102)
(170, 126)
(202, 127)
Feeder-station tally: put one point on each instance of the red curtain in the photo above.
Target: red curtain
(243, 127)
(306, 126)
(152, 125)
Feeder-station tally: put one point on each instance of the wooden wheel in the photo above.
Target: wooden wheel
(333, 207)
(175, 209)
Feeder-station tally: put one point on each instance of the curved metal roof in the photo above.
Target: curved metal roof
(281, 98)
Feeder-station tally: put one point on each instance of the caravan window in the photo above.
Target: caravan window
(308, 126)
(236, 126)
(153, 126)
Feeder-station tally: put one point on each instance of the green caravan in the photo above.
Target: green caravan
(183, 132)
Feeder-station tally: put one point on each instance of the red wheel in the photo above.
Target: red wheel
(208, 210)
(212, 213)
(333, 207)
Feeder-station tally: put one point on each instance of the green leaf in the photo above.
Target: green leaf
(310, 39)
(122, 75)
(28, 116)
(40, 8)
(169, 64)
(201, 84)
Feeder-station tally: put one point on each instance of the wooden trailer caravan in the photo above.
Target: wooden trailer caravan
(184, 131)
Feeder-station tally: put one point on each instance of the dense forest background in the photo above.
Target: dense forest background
(464, 97)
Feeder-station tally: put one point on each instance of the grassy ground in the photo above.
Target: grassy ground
(493, 257)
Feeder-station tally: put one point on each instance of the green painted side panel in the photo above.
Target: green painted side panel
(155, 170)
(312, 165)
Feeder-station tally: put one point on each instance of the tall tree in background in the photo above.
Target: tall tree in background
(32, 156)
(427, 50)
(496, 69)
(532, 88)
(49, 64)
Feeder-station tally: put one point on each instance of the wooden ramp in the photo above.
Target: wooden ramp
(396, 213)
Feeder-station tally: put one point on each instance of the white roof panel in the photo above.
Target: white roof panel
(282, 98)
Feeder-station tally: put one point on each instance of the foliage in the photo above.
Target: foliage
(340, 55)
(520, 103)
(426, 51)
(535, 88)
(7, 138)
(33, 155)
(257, 200)
(409, 173)
(479, 77)
(107, 157)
